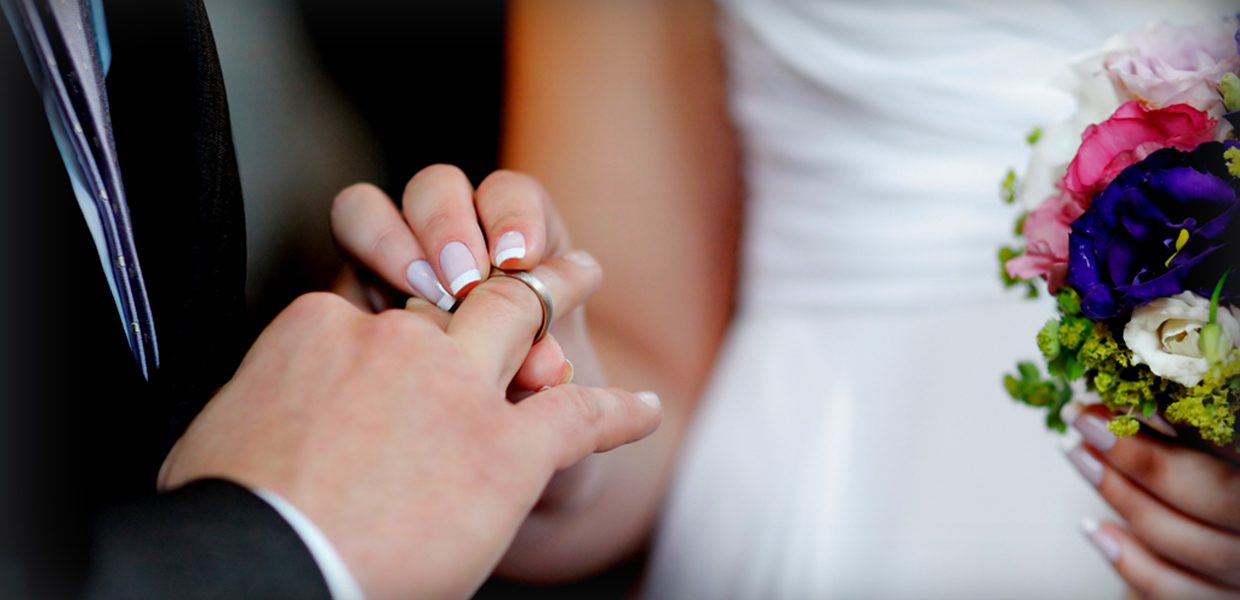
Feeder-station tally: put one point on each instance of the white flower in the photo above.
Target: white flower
(1097, 98)
(1167, 64)
(1163, 334)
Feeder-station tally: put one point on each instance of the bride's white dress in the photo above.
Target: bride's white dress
(856, 441)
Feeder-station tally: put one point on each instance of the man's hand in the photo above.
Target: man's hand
(393, 434)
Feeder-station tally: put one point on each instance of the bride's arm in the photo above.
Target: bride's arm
(619, 108)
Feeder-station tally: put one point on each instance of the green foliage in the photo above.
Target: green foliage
(1124, 426)
(1019, 228)
(1029, 387)
(1073, 331)
(1069, 302)
(1233, 161)
(1033, 136)
(1230, 87)
(1101, 352)
(1210, 406)
(1048, 340)
(1007, 188)
(1007, 253)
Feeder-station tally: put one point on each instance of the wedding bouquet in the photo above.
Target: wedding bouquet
(1132, 224)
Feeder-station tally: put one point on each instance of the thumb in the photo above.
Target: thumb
(573, 422)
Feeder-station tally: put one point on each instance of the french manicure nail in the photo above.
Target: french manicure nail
(1106, 543)
(1087, 464)
(1159, 424)
(569, 371)
(422, 277)
(650, 399)
(459, 267)
(582, 259)
(509, 247)
(1094, 430)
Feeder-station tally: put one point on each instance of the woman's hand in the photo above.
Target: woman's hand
(1182, 508)
(443, 242)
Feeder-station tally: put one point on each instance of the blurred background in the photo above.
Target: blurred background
(325, 93)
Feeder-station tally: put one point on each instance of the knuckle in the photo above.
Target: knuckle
(316, 305)
(382, 240)
(1146, 464)
(439, 222)
(508, 296)
(584, 406)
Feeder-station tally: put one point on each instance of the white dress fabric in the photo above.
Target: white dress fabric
(855, 441)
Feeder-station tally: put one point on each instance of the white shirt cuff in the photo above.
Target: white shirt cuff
(340, 582)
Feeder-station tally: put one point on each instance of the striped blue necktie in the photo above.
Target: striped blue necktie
(65, 47)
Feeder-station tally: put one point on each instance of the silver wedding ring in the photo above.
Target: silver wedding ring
(540, 290)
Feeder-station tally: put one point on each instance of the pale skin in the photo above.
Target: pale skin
(392, 432)
(1181, 509)
(617, 130)
(653, 189)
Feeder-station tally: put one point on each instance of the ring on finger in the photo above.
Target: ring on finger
(540, 290)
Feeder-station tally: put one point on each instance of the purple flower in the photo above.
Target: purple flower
(1166, 225)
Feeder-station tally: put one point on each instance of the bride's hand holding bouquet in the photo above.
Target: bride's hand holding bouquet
(1133, 223)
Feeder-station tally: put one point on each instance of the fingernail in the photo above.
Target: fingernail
(1159, 424)
(509, 247)
(582, 259)
(422, 277)
(459, 267)
(1086, 464)
(569, 371)
(650, 399)
(1106, 543)
(1094, 430)
(1071, 411)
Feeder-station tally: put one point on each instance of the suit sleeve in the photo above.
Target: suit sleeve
(210, 539)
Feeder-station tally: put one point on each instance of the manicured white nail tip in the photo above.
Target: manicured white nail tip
(446, 303)
(1089, 525)
(1071, 411)
(509, 254)
(470, 276)
(650, 399)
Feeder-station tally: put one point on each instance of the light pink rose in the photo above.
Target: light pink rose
(1167, 65)
(1046, 234)
(1128, 137)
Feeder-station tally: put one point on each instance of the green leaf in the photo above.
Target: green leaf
(1073, 369)
(1033, 136)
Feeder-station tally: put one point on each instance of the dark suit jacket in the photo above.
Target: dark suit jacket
(83, 434)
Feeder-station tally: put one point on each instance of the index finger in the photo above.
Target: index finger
(495, 325)
(573, 422)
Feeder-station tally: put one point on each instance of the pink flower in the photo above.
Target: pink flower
(1167, 65)
(1131, 134)
(1046, 232)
